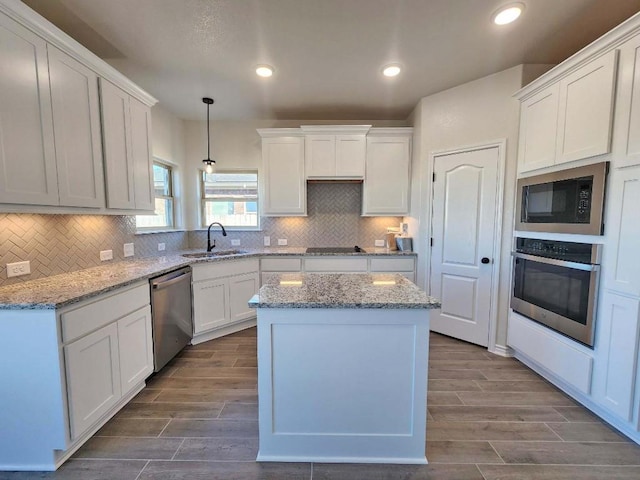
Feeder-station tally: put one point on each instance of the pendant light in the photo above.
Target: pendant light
(209, 165)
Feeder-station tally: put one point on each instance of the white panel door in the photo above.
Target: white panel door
(93, 377)
(538, 130)
(618, 333)
(76, 117)
(141, 155)
(586, 109)
(627, 131)
(285, 192)
(320, 155)
(464, 216)
(241, 289)
(116, 131)
(210, 304)
(350, 155)
(135, 344)
(621, 257)
(27, 154)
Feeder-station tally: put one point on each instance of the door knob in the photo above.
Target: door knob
(485, 260)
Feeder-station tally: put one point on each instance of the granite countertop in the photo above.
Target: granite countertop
(341, 290)
(61, 290)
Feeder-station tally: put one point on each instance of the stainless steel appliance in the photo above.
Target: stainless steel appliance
(568, 201)
(172, 315)
(556, 283)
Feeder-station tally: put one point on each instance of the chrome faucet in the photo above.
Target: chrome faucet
(209, 245)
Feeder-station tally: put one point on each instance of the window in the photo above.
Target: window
(230, 198)
(163, 187)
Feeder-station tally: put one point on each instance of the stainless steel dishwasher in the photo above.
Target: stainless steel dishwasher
(172, 315)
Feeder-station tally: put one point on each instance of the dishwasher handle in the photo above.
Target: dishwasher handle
(167, 283)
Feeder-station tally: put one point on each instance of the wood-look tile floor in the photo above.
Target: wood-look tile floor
(490, 418)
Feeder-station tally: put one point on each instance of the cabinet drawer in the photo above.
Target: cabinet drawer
(206, 271)
(392, 264)
(541, 345)
(84, 319)
(281, 264)
(335, 264)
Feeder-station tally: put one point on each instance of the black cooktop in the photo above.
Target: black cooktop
(355, 249)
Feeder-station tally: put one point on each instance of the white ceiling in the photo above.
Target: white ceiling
(327, 53)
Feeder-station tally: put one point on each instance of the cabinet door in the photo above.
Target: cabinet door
(618, 333)
(350, 155)
(621, 256)
(141, 155)
(285, 190)
(27, 154)
(586, 110)
(210, 304)
(538, 130)
(93, 377)
(76, 117)
(386, 185)
(135, 345)
(116, 131)
(320, 155)
(627, 131)
(241, 289)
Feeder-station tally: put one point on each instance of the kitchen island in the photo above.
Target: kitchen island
(342, 368)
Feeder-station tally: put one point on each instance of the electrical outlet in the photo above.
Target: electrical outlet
(379, 243)
(235, 242)
(267, 241)
(282, 242)
(128, 249)
(161, 246)
(106, 255)
(18, 268)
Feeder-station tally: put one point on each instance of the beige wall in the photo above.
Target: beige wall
(475, 113)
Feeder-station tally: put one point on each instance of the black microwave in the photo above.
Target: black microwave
(568, 201)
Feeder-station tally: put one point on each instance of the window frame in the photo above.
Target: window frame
(171, 197)
(204, 200)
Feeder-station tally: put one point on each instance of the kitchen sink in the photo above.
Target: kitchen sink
(220, 253)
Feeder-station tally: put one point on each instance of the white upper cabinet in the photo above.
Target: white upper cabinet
(27, 152)
(569, 119)
(284, 192)
(126, 127)
(76, 118)
(586, 110)
(627, 132)
(538, 127)
(335, 151)
(387, 177)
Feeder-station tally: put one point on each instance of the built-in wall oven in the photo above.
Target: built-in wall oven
(555, 283)
(568, 201)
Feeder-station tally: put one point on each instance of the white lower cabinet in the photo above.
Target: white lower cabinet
(135, 345)
(93, 377)
(616, 349)
(108, 352)
(221, 292)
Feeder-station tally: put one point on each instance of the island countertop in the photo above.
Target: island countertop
(341, 290)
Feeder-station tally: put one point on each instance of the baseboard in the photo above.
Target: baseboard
(502, 350)
(222, 331)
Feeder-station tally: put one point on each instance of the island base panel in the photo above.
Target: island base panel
(342, 385)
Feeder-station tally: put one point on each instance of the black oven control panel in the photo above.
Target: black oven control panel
(569, 251)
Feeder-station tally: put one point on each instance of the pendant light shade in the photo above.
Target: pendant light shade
(209, 165)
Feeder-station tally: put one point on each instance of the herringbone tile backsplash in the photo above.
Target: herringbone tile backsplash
(64, 243)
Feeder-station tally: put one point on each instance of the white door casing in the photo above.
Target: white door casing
(464, 219)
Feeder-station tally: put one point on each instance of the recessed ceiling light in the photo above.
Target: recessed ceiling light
(508, 13)
(264, 70)
(391, 70)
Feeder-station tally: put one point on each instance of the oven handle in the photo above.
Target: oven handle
(587, 267)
